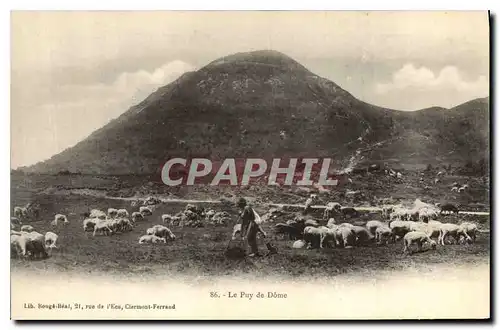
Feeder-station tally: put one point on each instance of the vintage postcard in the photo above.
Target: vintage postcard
(251, 165)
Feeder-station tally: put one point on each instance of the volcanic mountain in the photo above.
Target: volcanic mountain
(265, 104)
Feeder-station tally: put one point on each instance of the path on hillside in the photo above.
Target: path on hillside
(208, 201)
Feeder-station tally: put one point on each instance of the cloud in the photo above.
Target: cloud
(422, 85)
(65, 114)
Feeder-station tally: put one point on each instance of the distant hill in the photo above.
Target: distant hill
(265, 104)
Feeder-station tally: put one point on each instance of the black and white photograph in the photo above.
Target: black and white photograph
(257, 165)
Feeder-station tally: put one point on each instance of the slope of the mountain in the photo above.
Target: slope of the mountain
(265, 104)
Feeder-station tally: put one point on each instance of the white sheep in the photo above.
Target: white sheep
(161, 231)
(137, 216)
(27, 228)
(98, 214)
(299, 244)
(384, 235)
(312, 236)
(122, 213)
(50, 240)
(112, 212)
(59, 218)
(433, 229)
(236, 231)
(387, 210)
(471, 230)
(103, 226)
(145, 239)
(419, 238)
(331, 223)
(453, 230)
(88, 224)
(327, 235)
(145, 210)
(34, 244)
(400, 228)
(166, 218)
(345, 236)
(372, 225)
(363, 236)
(331, 209)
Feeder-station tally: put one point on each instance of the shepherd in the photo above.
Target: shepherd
(250, 226)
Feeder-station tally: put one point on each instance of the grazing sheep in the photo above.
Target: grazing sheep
(311, 222)
(166, 218)
(299, 244)
(122, 213)
(418, 238)
(400, 213)
(218, 219)
(97, 214)
(331, 209)
(418, 226)
(454, 189)
(59, 218)
(35, 244)
(331, 223)
(345, 236)
(433, 229)
(27, 228)
(426, 214)
(471, 230)
(448, 207)
(88, 224)
(346, 224)
(161, 231)
(328, 235)
(236, 230)
(312, 236)
(50, 240)
(210, 213)
(372, 226)
(137, 216)
(363, 236)
(103, 226)
(384, 235)
(145, 210)
(400, 228)
(151, 200)
(452, 230)
(387, 210)
(145, 239)
(122, 225)
(112, 213)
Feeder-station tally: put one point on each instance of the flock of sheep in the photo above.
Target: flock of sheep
(415, 225)
(26, 242)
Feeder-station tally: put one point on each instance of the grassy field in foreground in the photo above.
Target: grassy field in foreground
(200, 251)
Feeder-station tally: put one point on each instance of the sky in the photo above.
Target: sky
(73, 72)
